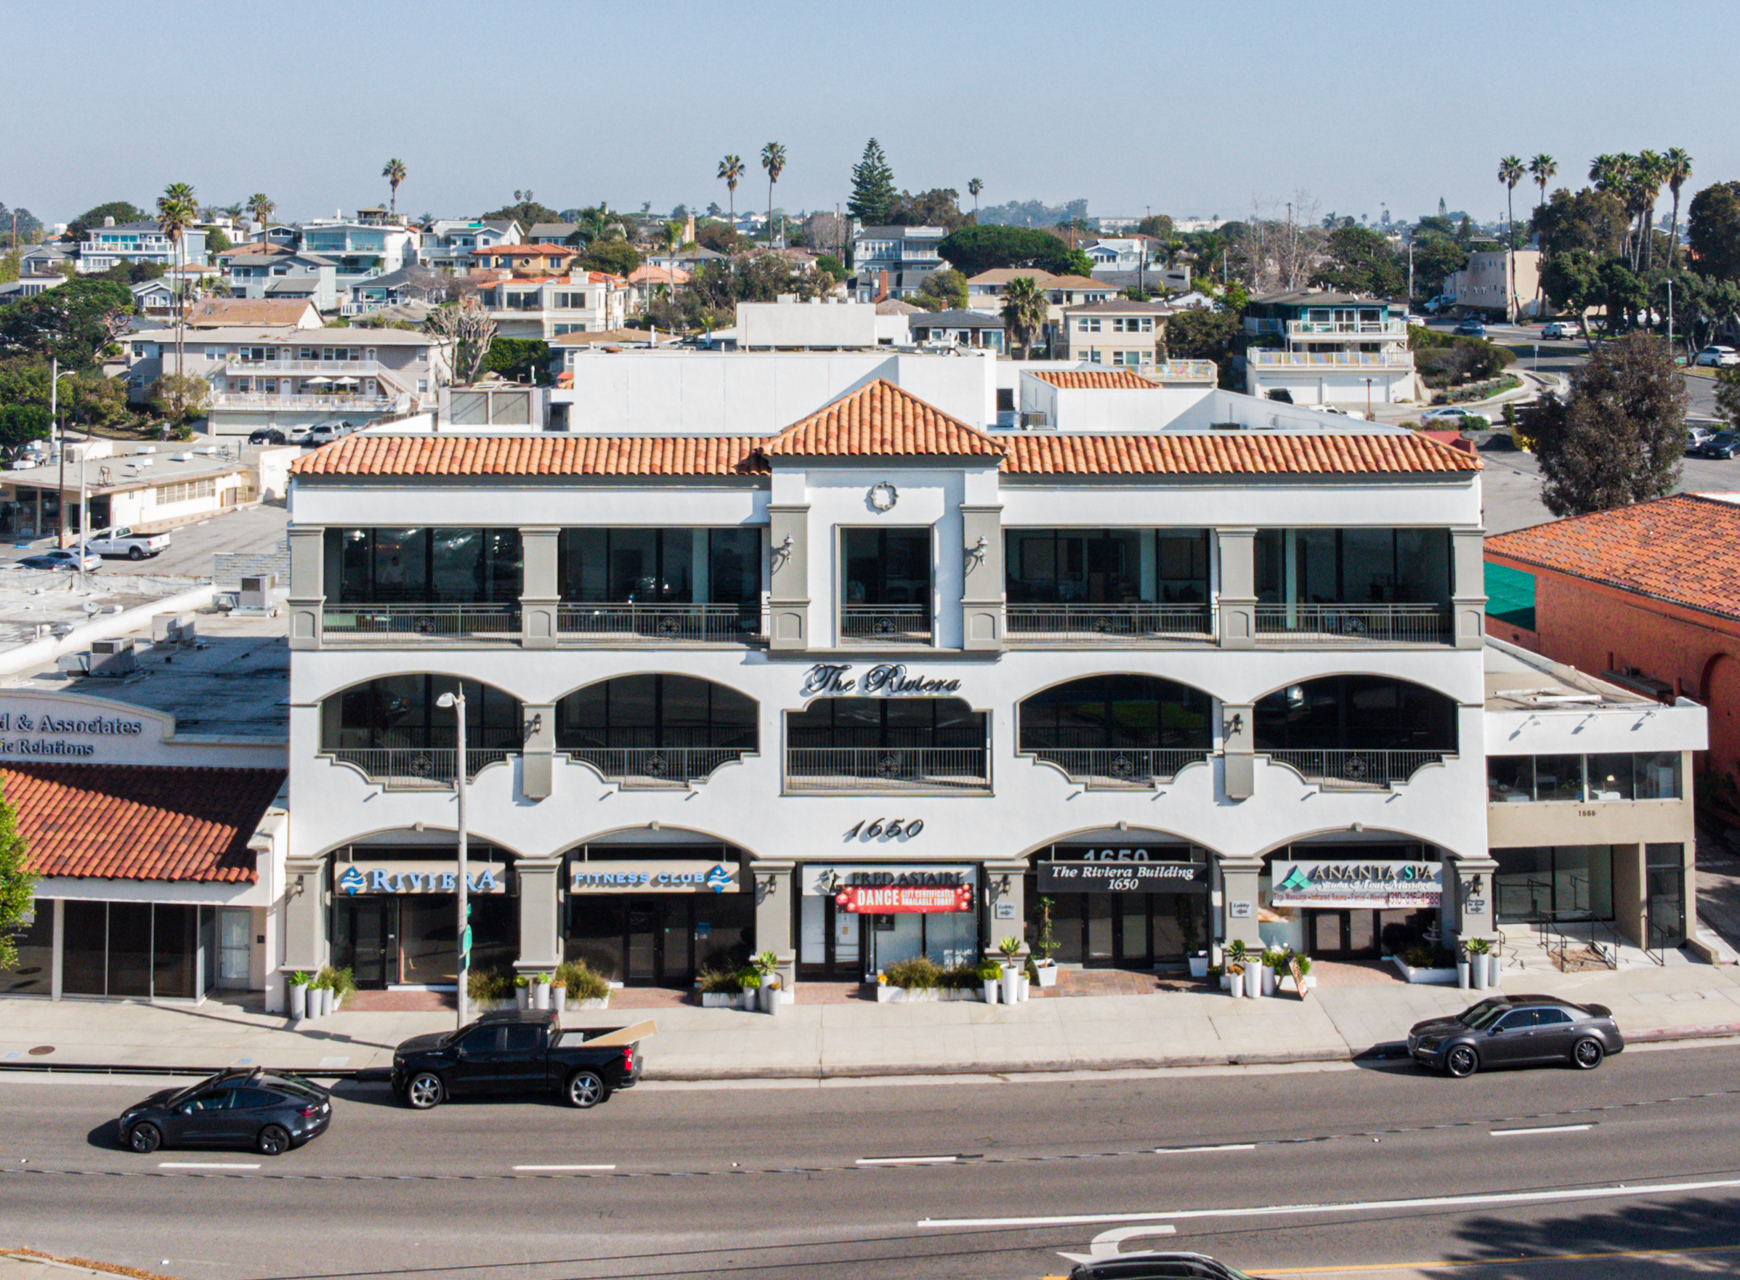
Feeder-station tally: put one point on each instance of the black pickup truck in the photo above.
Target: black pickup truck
(514, 1051)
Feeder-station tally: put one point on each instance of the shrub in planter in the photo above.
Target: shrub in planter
(582, 982)
(489, 986)
(917, 974)
(341, 982)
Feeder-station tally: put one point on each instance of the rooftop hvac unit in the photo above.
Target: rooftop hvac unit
(1035, 421)
(112, 658)
(255, 590)
(171, 628)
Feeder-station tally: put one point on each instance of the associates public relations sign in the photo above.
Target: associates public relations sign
(1376, 886)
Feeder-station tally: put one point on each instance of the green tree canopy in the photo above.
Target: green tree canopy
(1591, 220)
(1572, 281)
(22, 423)
(720, 237)
(873, 197)
(17, 883)
(1713, 230)
(519, 359)
(948, 289)
(833, 268)
(1435, 257)
(29, 228)
(1618, 436)
(525, 211)
(1204, 333)
(1361, 261)
(74, 321)
(1157, 225)
(618, 257)
(971, 250)
(119, 210)
(938, 207)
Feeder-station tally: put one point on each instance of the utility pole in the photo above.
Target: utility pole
(1410, 268)
(59, 438)
(84, 511)
(462, 967)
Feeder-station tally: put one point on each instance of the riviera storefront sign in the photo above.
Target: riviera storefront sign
(1374, 885)
(417, 877)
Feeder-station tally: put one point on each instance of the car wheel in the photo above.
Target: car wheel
(585, 1089)
(274, 1140)
(1587, 1053)
(134, 553)
(424, 1091)
(144, 1139)
(1462, 1062)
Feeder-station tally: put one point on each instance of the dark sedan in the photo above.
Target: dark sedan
(1724, 444)
(237, 1108)
(1157, 1266)
(1471, 329)
(1508, 1031)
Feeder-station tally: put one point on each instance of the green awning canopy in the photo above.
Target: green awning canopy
(1510, 595)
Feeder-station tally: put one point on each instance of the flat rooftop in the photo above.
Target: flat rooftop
(1518, 680)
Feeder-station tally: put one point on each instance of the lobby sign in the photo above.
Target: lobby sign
(1375, 886)
(902, 899)
(419, 877)
(828, 880)
(662, 875)
(885, 679)
(1123, 877)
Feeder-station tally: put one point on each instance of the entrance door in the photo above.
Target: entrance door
(1666, 925)
(641, 957)
(363, 937)
(1343, 935)
(235, 926)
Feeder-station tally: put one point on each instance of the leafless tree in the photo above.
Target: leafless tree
(469, 329)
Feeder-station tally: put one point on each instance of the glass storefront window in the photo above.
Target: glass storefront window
(129, 968)
(1558, 777)
(131, 949)
(173, 948)
(32, 974)
(1554, 883)
(424, 566)
(1510, 779)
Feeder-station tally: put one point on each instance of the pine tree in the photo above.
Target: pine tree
(873, 194)
(16, 884)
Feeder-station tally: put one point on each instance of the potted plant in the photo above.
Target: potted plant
(766, 964)
(299, 995)
(749, 982)
(540, 991)
(1237, 958)
(719, 989)
(1494, 961)
(1235, 977)
(989, 975)
(1044, 967)
(579, 983)
(1010, 978)
(1477, 951)
(1215, 974)
(773, 992)
(522, 992)
(1274, 965)
(341, 983)
(1462, 966)
(1190, 925)
(558, 992)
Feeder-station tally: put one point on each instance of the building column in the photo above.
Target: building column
(1238, 741)
(307, 598)
(304, 914)
(57, 954)
(1468, 601)
(982, 616)
(540, 914)
(537, 750)
(788, 598)
(540, 592)
(1005, 904)
(1466, 907)
(1630, 880)
(1238, 587)
(774, 887)
(1238, 905)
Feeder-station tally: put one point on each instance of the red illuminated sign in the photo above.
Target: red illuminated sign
(889, 899)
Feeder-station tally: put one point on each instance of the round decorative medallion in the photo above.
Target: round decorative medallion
(656, 766)
(883, 496)
(422, 765)
(1356, 768)
(884, 626)
(1122, 767)
(888, 766)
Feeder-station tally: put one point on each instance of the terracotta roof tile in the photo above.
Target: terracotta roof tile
(881, 420)
(137, 822)
(534, 455)
(1095, 380)
(1240, 453)
(1678, 549)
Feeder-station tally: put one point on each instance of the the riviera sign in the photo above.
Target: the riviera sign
(888, 679)
(412, 877)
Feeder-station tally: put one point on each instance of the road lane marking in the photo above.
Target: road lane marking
(1186, 1151)
(191, 1164)
(878, 1160)
(1620, 1190)
(1550, 1128)
(563, 1168)
(1108, 1244)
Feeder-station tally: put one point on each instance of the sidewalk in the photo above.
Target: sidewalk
(864, 1039)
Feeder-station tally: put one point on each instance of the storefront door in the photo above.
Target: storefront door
(830, 941)
(235, 926)
(364, 939)
(1666, 888)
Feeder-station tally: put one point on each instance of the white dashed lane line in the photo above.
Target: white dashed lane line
(191, 1164)
(1191, 1151)
(564, 1168)
(1549, 1128)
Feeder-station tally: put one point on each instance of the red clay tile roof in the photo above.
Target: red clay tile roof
(881, 420)
(534, 455)
(1094, 380)
(138, 822)
(1678, 549)
(1234, 453)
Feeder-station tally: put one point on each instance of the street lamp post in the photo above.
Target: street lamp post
(55, 375)
(1368, 399)
(456, 700)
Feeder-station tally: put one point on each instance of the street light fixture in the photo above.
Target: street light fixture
(55, 376)
(456, 700)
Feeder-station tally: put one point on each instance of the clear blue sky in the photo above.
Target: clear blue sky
(1188, 108)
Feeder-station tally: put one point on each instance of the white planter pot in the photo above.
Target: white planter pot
(558, 998)
(720, 999)
(522, 997)
(990, 990)
(593, 1002)
(1269, 983)
(540, 996)
(1477, 972)
(1493, 975)
(1047, 974)
(1199, 966)
(1011, 984)
(751, 999)
(1026, 987)
(1462, 973)
(298, 1002)
(326, 1002)
(775, 998)
(886, 994)
(1235, 983)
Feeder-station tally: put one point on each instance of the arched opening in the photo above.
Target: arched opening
(657, 729)
(1117, 730)
(1119, 899)
(395, 730)
(887, 744)
(1354, 731)
(1352, 894)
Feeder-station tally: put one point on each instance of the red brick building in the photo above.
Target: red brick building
(1647, 594)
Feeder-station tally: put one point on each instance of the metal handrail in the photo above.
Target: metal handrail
(1655, 942)
(1344, 770)
(856, 769)
(1120, 766)
(885, 624)
(417, 766)
(1138, 622)
(485, 622)
(720, 623)
(636, 767)
(1410, 623)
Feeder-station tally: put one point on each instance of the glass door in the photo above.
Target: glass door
(642, 950)
(363, 941)
(235, 925)
(1666, 890)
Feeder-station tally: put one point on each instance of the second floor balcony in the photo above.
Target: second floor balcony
(1117, 730)
(1363, 585)
(671, 586)
(1107, 586)
(318, 403)
(871, 745)
(1355, 732)
(1348, 327)
(660, 730)
(1398, 358)
(389, 585)
(395, 732)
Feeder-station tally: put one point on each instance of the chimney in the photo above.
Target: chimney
(108, 219)
(881, 286)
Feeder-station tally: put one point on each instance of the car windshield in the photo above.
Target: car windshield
(192, 1089)
(1482, 1015)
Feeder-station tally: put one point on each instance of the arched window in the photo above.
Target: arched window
(395, 726)
(657, 728)
(1355, 728)
(886, 743)
(1117, 728)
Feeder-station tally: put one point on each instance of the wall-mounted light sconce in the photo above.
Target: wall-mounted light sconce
(976, 552)
(301, 885)
(534, 725)
(1232, 728)
(782, 552)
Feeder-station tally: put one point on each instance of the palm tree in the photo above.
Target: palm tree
(1647, 175)
(1544, 169)
(260, 209)
(177, 210)
(731, 170)
(974, 186)
(1677, 165)
(1510, 172)
(773, 160)
(394, 173)
(1024, 311)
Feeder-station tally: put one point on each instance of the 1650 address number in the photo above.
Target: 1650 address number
(886, 829)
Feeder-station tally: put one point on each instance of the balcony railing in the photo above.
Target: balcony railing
(1184, 371)
(1398, 359)
(671, 623)
(477, 622)
(1348, 328)
(237, 365)
(1355, 770)
(1042, 624)
(268, 400)
(884, 624)
(859, 769)
(635, 767)
(1372, 623)
(1120, 766)
(416, 767)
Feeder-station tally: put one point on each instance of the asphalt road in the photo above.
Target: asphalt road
(1379, 1166)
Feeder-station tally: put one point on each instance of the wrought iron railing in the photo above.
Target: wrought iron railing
(1375, 623)
(857, 769)
(1355, 770)
(417, 766)
(1120, 766)
(1400, 358)
(884, 624)
(1657, 943)
(656, 766)
(480, 622)
(1137, 623)
(721, 623)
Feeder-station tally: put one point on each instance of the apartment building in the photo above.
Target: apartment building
(360, 247)
(114, 243)
(1317, 347)
(546, 307)
(1487, 284)
(1116, 332)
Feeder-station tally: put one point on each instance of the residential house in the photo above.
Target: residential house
(985, 293)
(524, 259)
(410, 286)
(362, 246)
(267, 271)
(266, 313)
(449, 243)
(1317, 347)
(648, 281)
(1115, 332)
(545, 307)
(1486, 284)
(557, 233)
(891, 262)
(45, 259)
(129, 242)
(954, 328)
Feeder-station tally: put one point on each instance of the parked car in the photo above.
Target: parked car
(1717, 357)
(1449, 415)
(66, 559)
(513, 1051)
(124, 542)
(325, 433)
(266, 435)
(1516, 1031)
(1562, 329)
(234, 1108)
(1724, 444)
(1440, 303)
(1697, 437)
(1156, 1266)
(1471, 328)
